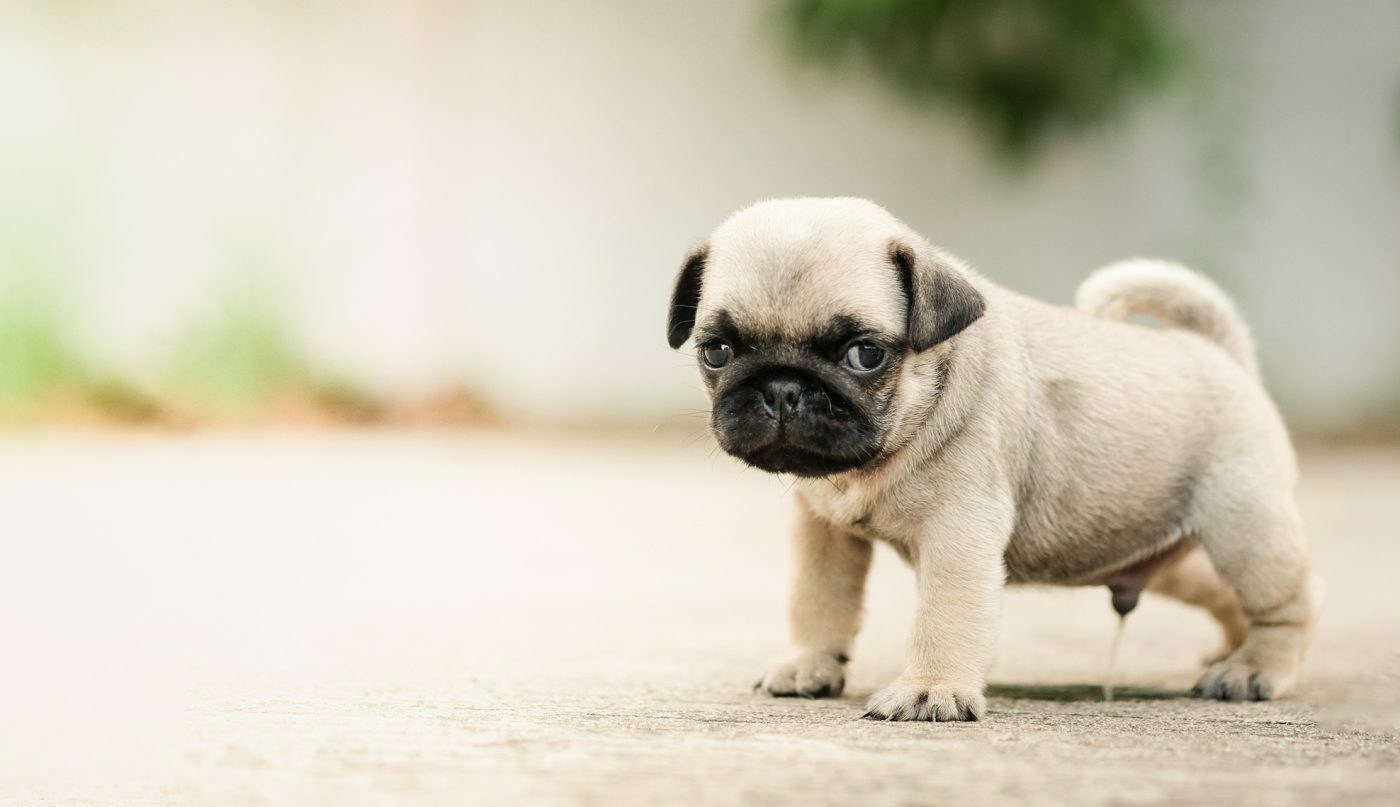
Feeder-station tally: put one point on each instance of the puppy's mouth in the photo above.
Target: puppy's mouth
(784, 458)
(787, 424)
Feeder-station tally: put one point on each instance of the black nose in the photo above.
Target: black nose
(781, 395)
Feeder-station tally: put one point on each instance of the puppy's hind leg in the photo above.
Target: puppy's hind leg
(1257, 546)
(1190, 578)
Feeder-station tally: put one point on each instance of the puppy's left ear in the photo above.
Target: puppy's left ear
(685, 298)
(942, 303)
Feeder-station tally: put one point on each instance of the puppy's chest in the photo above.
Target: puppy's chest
(864, 511)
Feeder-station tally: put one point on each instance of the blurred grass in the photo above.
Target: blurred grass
(42, 368)
(237, 360)
(237, 364)
(39, 359)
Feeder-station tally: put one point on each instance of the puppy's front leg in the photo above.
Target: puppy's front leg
(825, 610)
(958, 563)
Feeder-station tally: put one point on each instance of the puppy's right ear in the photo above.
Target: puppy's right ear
(685, 299)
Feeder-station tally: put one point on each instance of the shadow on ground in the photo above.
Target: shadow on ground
(1081, 693)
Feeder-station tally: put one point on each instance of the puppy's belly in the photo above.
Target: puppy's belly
(1090, 558)
(1093, 518)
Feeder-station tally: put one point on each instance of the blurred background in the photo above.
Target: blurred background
(303, 211)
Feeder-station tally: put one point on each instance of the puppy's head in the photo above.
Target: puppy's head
(810, 317)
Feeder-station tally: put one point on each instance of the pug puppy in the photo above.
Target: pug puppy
(992, 438)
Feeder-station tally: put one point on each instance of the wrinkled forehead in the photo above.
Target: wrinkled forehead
(791, 286)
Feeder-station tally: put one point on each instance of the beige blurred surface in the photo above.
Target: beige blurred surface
(498, 618)
(437, 193)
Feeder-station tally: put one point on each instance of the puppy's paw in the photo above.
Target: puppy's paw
(923, 699)
(808, 675)
(1237, 680)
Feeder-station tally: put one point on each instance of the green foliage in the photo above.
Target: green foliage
(1020, 67)
(240, 358)
(38, 359)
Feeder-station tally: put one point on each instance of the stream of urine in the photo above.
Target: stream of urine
(1113, 658)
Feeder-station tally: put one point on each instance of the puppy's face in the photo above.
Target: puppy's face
(809, 403)
(807, 315)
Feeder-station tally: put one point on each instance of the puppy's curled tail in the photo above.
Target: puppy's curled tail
(1175, 295)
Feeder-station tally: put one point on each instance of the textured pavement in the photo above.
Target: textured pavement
(500, 618)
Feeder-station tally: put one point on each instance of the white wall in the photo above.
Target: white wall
(501, 192)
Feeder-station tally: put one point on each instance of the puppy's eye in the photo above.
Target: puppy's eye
(865, 356)
(716, 354)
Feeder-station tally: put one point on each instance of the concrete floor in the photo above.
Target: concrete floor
(393, 619)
